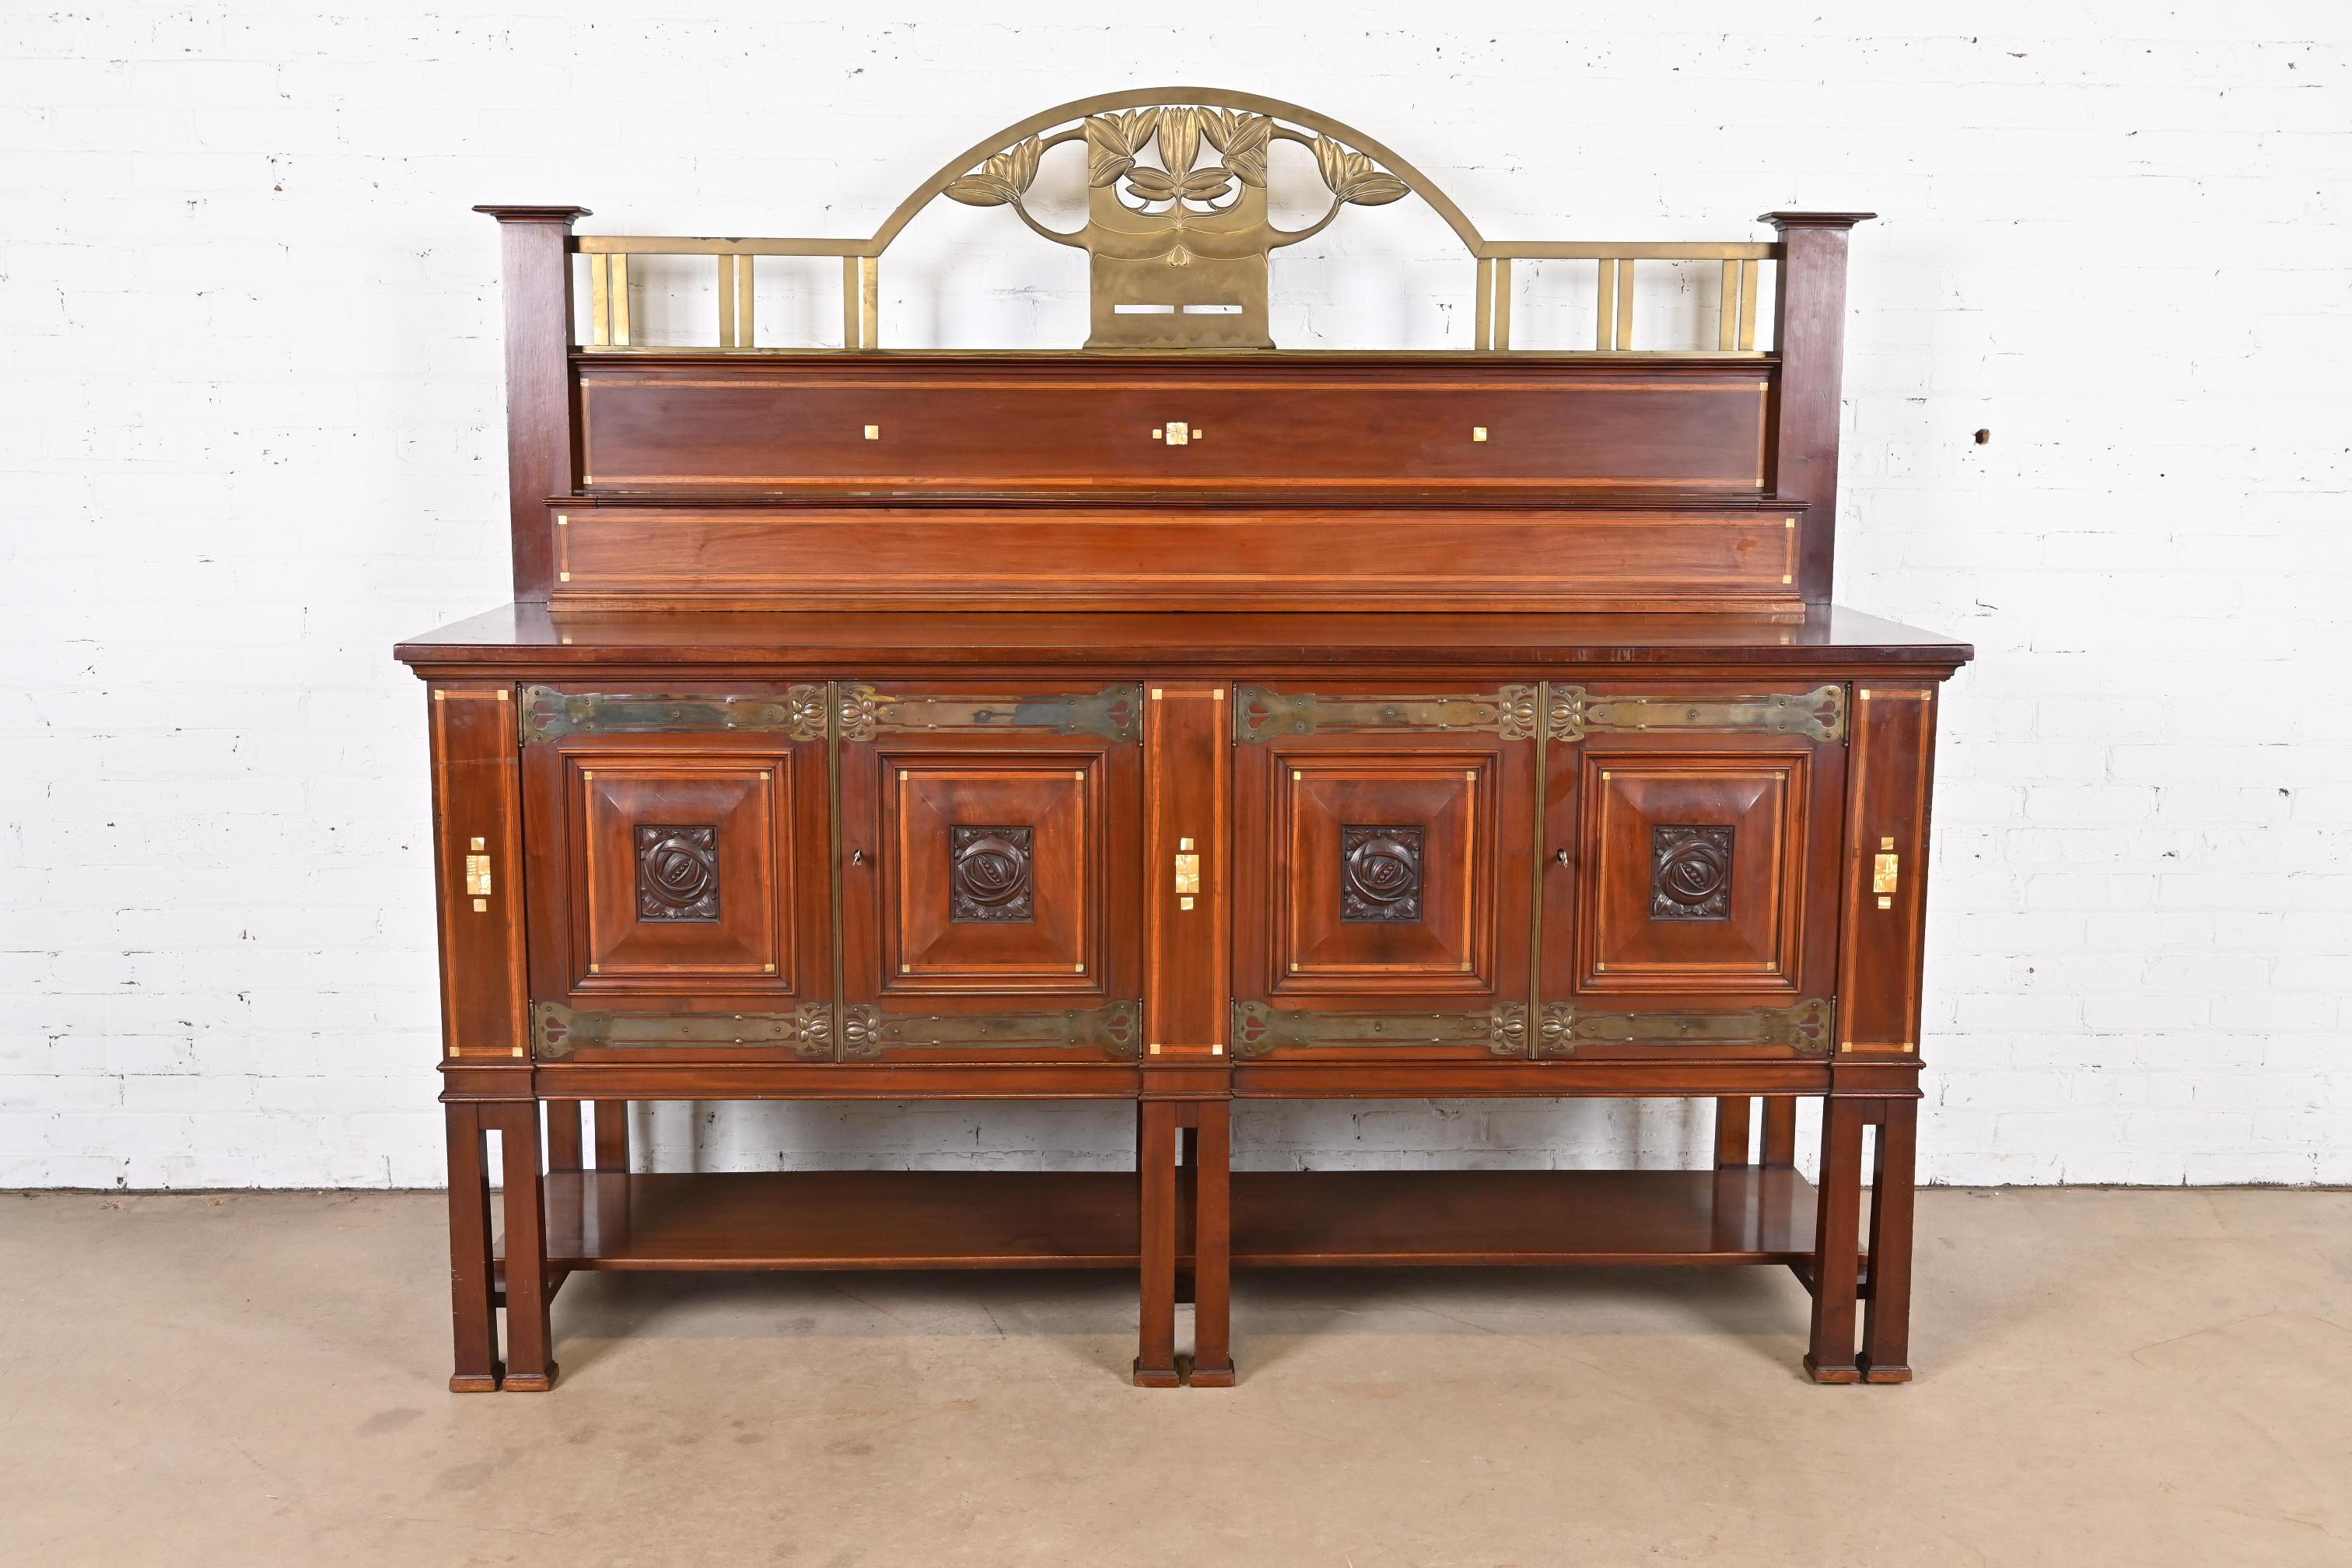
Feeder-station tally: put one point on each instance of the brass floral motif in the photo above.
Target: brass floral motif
(1259, 1029)
(1114, 1031)
(551, 715)
(1115, 713)
(1260, 714)
(1178, 247)
(557, 1030)
(1804, 1029)
(1819, 714)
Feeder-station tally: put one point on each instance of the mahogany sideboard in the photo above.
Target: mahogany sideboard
(1176, 720)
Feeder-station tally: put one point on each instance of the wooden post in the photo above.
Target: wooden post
(613, 1135)
(1809, 316)
(530, 1364)
(1779, 1139)
(1155, 1163)
(1837, 1242)
(542, 458)
(1886, 1320)
(474, 1318)
(1731, 1125)
(1212, 1246)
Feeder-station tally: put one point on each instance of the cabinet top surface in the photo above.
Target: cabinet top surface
(529, 636)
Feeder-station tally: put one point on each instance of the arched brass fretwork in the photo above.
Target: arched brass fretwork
(1177, 231)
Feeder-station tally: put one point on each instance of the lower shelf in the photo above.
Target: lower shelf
(924, 1219)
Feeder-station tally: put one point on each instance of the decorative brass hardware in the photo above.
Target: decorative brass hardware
(1187, 873)
(1116, 1030)
(1178, 434)
(1478, 432)
(477, 876)
(1178, 248)
(550, 715)
(1259, 715)
(1116, 714)
(874, 432)
(1571, 713)
(1259, 1029)
(557, 1031)
(1805, 1028)
(1886, 869)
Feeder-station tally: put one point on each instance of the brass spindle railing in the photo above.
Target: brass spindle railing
(1740, 264)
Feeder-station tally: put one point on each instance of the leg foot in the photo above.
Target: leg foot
(1837, 1244)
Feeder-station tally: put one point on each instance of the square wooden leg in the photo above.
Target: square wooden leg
(612, 1135)
(1733, 1117)
(1837, 1244)
(474, 1317)
(531, 1366)
(1779, 1139)
(1886, 1319)
(1212, 1245)
(1155, 1163)
(564, 1135)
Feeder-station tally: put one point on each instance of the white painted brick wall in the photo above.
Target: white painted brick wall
(250, 434)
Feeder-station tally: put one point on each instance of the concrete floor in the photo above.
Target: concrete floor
(2106, 1377)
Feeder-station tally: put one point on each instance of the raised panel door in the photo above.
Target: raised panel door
(1383, 880)
(991, 873)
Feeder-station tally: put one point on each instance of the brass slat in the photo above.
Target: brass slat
(1561, 1028)
(1115, 713)
(1747, 274)
(557, 1031)
(550, 715)
(1113, 1029)
(1605, 312)
(1260, 1029)
(1624, 305)
(1726, 315)
(600, 293)
(1645, 250)
(621, 301)
(1261, 715)
(726, 302)
(1571, 713)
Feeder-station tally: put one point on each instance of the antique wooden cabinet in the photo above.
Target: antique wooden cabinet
(1177, 721)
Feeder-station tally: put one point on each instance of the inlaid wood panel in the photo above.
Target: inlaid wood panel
(993, 871)
(1382, 844)
(649, 422)
(990, 871)
(685, 869)
(622, 555)
(1694, 871)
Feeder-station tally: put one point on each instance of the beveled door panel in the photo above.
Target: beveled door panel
(679, 886)
(1691, 857)
(990, 866)
(1388, 878)
(1694, 871)
(1382, 874)
(993, 871)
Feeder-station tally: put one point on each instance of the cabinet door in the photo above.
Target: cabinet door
(991, 872)
(1382, 839)
(679, 887)
(1690, 901)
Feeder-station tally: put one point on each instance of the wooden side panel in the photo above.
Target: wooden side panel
(1880, 952)
(1187, 902)
(621, 556)
(714, 423)
(478, 863)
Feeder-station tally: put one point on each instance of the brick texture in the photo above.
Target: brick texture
(252, 435)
